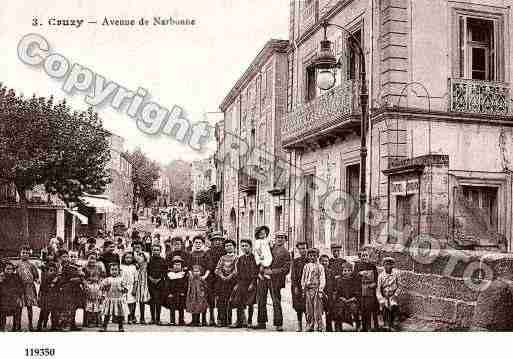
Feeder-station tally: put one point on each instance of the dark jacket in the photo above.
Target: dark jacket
(280, 266)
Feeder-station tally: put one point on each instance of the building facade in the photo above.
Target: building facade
(249, 141)
(203, 175)
(163, 186)
(439, 136)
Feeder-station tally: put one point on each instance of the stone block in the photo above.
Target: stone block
(450, 263)
(439, 286)
(427, 308)
(464, 314)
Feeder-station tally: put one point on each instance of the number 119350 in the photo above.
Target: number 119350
(39, 352)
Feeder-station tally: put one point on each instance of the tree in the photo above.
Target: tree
(144, 173)
(42, 143)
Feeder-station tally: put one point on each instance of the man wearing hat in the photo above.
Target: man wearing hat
(278, 270)
(213, 255)
(177, 250)
(109, 255)
(298, 299)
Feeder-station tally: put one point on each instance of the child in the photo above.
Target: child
(313, 282)
(196, 302)
(141, 293)
(129, 274)
(214, 254)
(174, 291)
(92, 312)
(244, 293)
(70, 284)
(328, 291)
(157, 270)
(262, 250)
(114, 305)
(368, 276)
(48, 297)
(346, 298)
(29, 277)
(388, 284)
(226, 272)
(11, 297)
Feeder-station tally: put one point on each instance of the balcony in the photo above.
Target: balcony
(479, 97)
(247, 184)
(336, 111)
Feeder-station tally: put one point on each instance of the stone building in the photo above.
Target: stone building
(439, 140)
(249, 141)
(203, 174)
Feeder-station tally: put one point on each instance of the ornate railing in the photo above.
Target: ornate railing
(247, 183)
(480, 97)
(334, 106)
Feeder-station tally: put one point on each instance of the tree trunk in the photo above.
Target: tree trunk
(24, 230)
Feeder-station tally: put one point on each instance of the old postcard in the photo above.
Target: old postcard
(255, 167)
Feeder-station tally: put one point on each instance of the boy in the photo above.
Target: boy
(388, 284)
(368, 274)
(298, 299)
(11, 297)
(157, 270)
(174, 291)
(244, 293)
(313, 282)
(48, 297)
(346, 298)
(177, 250)
(226, 273)
(29, 277)
(328, 291)
(336, 263)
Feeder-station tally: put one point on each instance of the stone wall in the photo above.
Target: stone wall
(442, 288)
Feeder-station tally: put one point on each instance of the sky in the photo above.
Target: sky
(193, 67)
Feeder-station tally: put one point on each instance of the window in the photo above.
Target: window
(478, 53)
(269, 81)
(483, 202)
(311, 85)
(353, 58)
(403, 214)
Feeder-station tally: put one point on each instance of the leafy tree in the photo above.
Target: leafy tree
(144, 173)
(43, 143)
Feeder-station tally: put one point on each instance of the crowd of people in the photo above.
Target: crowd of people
(207, 279)
(178, 217)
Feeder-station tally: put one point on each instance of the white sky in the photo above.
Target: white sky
(190, 66)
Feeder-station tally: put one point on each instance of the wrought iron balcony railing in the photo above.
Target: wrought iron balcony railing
(335, 108)
(479, 97)
(247, 183)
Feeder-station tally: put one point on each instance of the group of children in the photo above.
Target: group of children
(342, 292)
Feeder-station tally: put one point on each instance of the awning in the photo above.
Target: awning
(83, 219)
(100, 204)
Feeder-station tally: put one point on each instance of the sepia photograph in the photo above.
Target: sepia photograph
(238, 167)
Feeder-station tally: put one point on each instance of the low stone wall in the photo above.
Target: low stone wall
(443, 287)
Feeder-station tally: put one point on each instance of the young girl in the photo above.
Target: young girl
(174, 291)
(313, 282)
(114, 305)
(197, 296)
(93, 275)
(70, 284)
(129, 274)
(11, 297)
(262, 250)
(141, 292)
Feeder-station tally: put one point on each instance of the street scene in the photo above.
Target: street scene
(348, 167)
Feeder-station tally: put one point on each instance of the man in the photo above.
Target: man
(109, 256)
(214, 254)
(298, 299)
(280, 267)
(225, 272)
